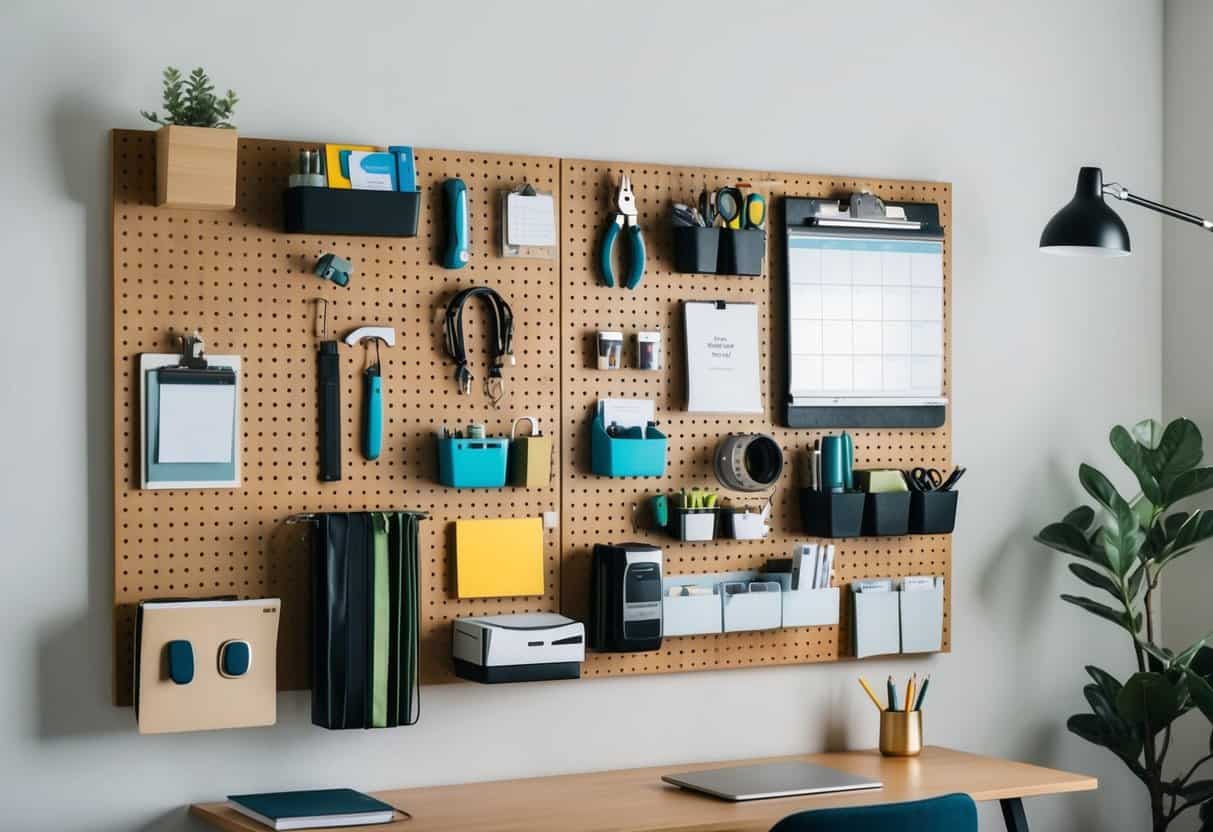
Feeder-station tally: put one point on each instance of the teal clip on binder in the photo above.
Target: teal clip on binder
(622, 456)
(473, 463)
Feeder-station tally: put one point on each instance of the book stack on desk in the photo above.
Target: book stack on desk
(314, 809)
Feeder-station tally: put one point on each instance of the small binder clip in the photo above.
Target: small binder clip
(193, 367)
(193, 352)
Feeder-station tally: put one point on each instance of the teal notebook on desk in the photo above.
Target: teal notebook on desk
(312, 809)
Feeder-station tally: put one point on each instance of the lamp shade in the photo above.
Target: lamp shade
(1086, 225)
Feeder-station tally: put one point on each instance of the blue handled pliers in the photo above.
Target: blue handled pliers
(624, 220)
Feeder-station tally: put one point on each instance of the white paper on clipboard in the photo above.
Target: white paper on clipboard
(723, 371)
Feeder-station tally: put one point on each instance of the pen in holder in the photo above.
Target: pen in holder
(900, 733)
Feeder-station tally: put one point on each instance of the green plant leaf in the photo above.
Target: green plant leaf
(1201, 693)
(1123, 539)
(1095, 730)
(1189, 483)
(1106, 681)
(1179, 448)
(1196, 529)
(1080, 518)
(1117, 617)
(1134, 456)
(1198, 791)
(1161, 653)
(1096, 579)
(1067, 538)
(1149, 698)
(1103, 706)
(1135, 581)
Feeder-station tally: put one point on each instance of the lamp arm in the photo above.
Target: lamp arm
(1123, 194)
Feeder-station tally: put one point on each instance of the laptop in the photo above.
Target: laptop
(770, 780)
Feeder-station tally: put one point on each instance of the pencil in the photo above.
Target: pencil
(910, 692)
(892, 693)
(922, 693)
(871, 695)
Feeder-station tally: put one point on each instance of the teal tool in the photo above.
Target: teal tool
(848, 462)
(372, 395)
(834, 467)
(457, 251)
(729, 206)
(893, 706)
(625, 220)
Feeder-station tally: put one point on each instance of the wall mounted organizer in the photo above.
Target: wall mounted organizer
(247, 285)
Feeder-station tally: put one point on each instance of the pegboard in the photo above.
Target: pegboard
(248, 288)
(600, 509)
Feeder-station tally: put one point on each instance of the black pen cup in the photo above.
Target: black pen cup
(886, 513)
(826, 514)
(933, 512)
(696, 249)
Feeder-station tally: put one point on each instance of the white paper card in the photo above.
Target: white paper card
(723, 372)
(626, 413)
(196, 422)
(531, 220)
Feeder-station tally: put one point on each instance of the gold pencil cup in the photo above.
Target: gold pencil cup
(900, 733)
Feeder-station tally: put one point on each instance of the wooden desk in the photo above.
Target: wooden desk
(636, 799)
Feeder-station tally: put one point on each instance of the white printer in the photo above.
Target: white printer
(529, 647)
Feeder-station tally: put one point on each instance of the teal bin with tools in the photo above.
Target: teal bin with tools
(622, 456)
(473, 463)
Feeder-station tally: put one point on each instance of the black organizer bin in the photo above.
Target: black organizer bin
(886, 513)
(696, 249)
(308, 210)
(742, 251)
(826, 514)
(933, 512)
(724, 251)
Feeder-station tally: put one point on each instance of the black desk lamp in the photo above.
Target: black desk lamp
(1086, 225)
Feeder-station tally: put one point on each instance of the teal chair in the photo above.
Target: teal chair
(950, 813)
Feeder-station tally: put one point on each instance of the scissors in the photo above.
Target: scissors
(925, 479)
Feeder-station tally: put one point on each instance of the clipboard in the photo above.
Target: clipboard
(536, 252)
(865, 344)
(188, 368)
(724, 372)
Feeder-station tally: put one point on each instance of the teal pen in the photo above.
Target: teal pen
(892, 695)
(922, 694)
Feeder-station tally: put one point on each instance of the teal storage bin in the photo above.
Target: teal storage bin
(473, 463)
(611, 457)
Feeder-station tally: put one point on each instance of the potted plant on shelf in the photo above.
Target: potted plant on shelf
(1124, 555)
(196, 143)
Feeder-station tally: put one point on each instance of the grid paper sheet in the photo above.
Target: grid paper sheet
(866, 317)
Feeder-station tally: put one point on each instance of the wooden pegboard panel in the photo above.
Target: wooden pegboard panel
(599, 509)
(249, 289)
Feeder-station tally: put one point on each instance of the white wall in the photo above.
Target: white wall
(1187, 297)
(1005, 100)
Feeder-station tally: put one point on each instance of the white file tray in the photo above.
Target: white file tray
(752, 611)
(875, 624)
(810, 607)
(922, 619)
(691, 615)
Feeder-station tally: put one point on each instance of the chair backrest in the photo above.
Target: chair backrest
(950, 813)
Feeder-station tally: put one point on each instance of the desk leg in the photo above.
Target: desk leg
(1013, 814)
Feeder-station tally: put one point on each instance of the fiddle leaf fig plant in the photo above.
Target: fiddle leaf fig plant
(1121, 547)
(191, 102)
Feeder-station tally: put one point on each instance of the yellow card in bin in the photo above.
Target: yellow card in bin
(499, 558)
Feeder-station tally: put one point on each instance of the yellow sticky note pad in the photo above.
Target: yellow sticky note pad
(499, 558)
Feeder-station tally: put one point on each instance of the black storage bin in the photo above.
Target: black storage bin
(742, 251)
(696, 249)
(831, 515)
(309, 210)
(933, 512)
(887, 513)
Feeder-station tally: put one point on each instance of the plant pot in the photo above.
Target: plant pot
(196, 167)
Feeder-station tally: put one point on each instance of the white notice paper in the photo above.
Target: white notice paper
(531, 220)
(723, 374)
(196, 422)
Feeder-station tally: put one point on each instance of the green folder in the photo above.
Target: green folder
(381, 622)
